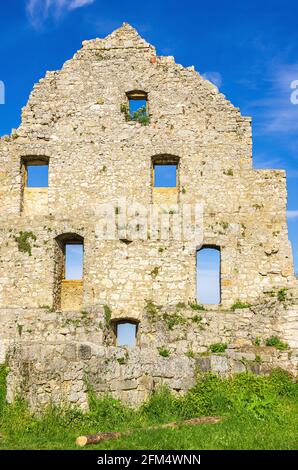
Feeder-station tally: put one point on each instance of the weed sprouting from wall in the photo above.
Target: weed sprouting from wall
(218, 347)
(107, 314)
(24, 243)
(275, 342)
(239, 305)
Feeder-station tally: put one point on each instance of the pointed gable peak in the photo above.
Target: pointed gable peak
(124, 37)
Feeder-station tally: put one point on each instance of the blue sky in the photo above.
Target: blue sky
(248, 48)
(126, 334)
(208, 276)
(74, 255)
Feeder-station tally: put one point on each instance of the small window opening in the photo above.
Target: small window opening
(208, 275)
(126, 333)
(165, 176)
(37, 174)
(138, 107)
(73, 261)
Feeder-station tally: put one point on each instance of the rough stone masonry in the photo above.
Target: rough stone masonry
(58, 335)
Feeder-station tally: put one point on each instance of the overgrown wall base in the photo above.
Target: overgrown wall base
(53, 356)
(64, 371)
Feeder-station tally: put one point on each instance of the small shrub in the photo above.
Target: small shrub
(283, 383)
(180, 305)
(163, 352)
(154, 271)
(108, 411)
(84, 313)
(239, 304)
(196, 306)
(107, 314)
(121, 360)
(256, 341)
(275, 342)
(48, 308)
(153, 310)
(197, 319)
(218, 347)
(243, 394)
(162, 406)
(190, 354)
(224, 225)
(124, 108)
(205, 398)
(282, 294)
(140, 115)
(173, 319)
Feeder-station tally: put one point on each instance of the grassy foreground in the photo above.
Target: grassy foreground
(259, 413)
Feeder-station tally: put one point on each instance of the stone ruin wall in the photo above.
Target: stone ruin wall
(73, 119)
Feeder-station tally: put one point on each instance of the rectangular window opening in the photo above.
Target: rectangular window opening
(37, 175)
(74, 261)
(126, 334)
(138, 107)
(165, 176)
(208, 276)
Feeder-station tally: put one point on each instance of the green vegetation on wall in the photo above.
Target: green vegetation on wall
(24, 243)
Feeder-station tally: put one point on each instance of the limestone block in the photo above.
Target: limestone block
(219, 364)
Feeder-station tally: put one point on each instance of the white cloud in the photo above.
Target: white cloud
(292, 214)
(40, 10)
(214, 77)
(78, 3)
(276, 112)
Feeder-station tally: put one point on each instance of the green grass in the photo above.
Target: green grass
(258, 413)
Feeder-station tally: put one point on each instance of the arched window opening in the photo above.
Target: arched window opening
(208, 275)
(69, 271)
